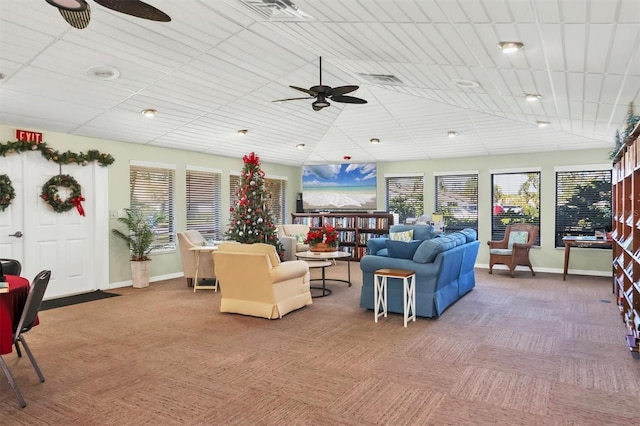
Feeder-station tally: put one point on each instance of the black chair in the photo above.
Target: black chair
(27, 321)
(10, 267)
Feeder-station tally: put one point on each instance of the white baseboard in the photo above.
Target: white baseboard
(129, 283)
(550, 270)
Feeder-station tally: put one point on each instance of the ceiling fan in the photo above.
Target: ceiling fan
(78, 13)
(323, 93)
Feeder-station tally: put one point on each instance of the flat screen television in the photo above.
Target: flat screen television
(339, 187)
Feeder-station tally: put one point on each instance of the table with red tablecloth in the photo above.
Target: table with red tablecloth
(11, 306)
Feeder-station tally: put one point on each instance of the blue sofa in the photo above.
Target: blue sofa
(444, 267)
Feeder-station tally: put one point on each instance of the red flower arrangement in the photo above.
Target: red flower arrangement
(327, 235)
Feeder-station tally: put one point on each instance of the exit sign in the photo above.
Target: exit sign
(28, 136)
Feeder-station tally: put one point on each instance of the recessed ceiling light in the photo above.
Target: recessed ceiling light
(243, 132)
(466, 84)
(149, 112)
(510, 46)
(300, 146)
(452, 134)
(543, 123)
(532, 97)
(374, 141)
(103, 72)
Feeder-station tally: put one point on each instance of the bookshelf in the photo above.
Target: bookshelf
(626, 235)
(354, 229)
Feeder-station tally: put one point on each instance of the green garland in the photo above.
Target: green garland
(56, 156)
(50, 193)
(7, 193)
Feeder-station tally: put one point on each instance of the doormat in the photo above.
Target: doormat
(75, 299)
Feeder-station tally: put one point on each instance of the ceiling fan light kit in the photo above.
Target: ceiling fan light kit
(321, 93)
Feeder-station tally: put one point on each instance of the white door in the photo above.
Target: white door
(11, 219)
(72, 246)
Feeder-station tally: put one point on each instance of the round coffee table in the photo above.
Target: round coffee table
(322, 264)
(328, 255)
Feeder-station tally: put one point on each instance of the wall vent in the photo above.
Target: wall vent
(386, 79)
(277, 10)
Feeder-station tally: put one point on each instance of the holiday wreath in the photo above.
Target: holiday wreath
(7, 193)
(51, 197)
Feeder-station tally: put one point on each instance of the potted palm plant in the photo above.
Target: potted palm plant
(139, 238)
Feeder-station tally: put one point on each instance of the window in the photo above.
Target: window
(152, 192)
(583, 203)
(405, 196)
(275, 202)
(204, 210)
(275, 199)
(457, 200)
(515, 199)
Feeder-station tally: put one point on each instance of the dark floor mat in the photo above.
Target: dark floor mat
(75, 299)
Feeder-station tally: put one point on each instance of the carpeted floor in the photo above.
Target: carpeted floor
(75, 299)
(514, 351)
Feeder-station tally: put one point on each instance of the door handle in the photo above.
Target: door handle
(17, 234)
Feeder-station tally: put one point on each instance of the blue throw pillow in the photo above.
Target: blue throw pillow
(429, 249)
(402, 249)
(470, 234)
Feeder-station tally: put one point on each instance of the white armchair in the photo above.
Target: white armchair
(254, 282)
(292, 237)
(206, 270)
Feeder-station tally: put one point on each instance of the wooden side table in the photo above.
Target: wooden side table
(408, 292)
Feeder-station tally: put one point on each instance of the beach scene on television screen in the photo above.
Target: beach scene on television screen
(339, 187)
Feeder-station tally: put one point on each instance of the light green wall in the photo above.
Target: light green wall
(546, 257)
(163, 264)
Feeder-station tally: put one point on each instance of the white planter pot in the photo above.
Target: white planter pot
(140, 272)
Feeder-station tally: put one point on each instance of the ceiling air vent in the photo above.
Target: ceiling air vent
(277, 10)
(382, 79)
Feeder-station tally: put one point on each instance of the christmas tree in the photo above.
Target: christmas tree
(251, 221)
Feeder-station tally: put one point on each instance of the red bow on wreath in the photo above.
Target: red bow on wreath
(77, 201)
(251, 159)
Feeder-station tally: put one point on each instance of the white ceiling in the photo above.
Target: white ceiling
(218, 65)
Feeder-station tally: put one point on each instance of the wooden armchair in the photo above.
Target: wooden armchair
(513, 249)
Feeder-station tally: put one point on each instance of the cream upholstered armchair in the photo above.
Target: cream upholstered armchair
(513, 249)
(254, 282)
(292, 237)
(186, 240)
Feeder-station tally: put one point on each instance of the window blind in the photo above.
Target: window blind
(583, 203)
(152, 192)
(457, 201)
(405, 196)
(204, 210)
(515, 199)
(275, 196)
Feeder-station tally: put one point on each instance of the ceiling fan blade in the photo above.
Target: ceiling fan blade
(348, 99)
(76, 19)
(136, 8)
(342, 90)
(74, 5)
(310, 92)
(292, 99)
